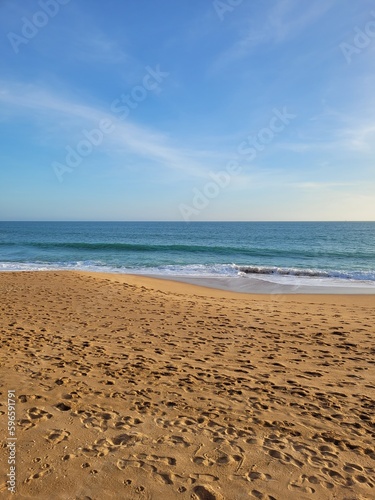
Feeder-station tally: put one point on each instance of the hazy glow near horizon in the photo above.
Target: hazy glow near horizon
(218, 110)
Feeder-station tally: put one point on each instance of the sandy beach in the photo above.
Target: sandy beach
(135, 388)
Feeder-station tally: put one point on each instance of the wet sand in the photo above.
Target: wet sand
(135, 388)
(261, 286)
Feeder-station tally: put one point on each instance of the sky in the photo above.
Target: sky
(187, 110)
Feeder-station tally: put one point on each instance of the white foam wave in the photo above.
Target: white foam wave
(292, 276)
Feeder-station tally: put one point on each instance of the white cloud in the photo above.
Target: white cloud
(127, 135)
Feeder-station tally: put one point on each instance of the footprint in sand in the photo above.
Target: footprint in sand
(46, 470)
(175, 440)
(101, 447)
(150, 464)
(304, 484)
(33, 416)
(207, 478)
(57, 435)
(205, 493)
(254, 476)
(38, 414)
(125, 463)
(24, 398)
(63, 407)
(96, 417)
(351, 468)
(156, 458)
(284, 458)
(262, 496)
(127, 422)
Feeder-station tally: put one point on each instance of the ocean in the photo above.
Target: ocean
(298, 253)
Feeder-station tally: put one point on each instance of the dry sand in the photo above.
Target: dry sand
(133, 388)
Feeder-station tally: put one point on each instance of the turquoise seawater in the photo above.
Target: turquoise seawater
(278, 251)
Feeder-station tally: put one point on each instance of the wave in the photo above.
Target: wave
(200, 270)
(283, 271)
(131, 247)
(189, 249)
(307, 273)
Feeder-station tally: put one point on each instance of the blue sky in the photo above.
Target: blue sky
(189, 109)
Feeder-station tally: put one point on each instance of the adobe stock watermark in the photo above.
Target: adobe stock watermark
(222, 7)
(120, 109)
(247, 150)
(31, 27)
(11, 441)
(361, 40)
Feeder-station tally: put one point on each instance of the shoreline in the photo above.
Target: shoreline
(261, 286)
(177, 286)
(236, 284)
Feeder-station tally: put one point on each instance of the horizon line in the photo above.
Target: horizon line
(185, 222)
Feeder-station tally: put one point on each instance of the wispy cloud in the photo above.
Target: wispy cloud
(357, 138)
(98, 49)
(127, 135)
(361, 138)
(284, 21)
(287, 19)
(320, 185)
